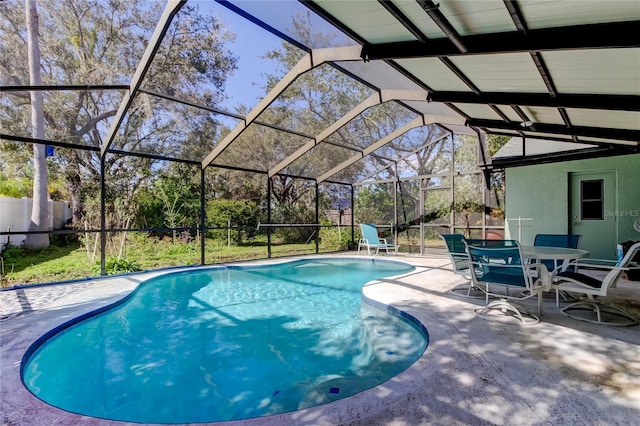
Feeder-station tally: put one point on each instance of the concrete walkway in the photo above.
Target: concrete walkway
(474, 371)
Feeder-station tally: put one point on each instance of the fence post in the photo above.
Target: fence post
(26, 213)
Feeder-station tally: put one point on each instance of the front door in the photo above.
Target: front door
(592, 215)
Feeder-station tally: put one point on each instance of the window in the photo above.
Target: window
(592, 199)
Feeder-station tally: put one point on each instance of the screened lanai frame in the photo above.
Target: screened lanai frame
(450, 110)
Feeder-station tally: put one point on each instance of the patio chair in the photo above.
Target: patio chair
(456, 249)
(491, 272)
(479, 242)
(592, 289)
(370, 240)
(556, 240)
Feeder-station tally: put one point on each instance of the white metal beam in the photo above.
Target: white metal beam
(438, 139)
(416, 122)
(171, 9)
(367, 103)
(311, 60)
(384, 96)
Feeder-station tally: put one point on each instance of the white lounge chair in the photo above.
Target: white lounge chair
(591, 288)
(370, 240)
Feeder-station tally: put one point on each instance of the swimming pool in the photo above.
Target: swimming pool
(227, 343)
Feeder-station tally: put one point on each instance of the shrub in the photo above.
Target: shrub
(114, 265)
(290, 215)
(242, 213)
(334, 239)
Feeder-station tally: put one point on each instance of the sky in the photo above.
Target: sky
(244, 86)
(252, 42)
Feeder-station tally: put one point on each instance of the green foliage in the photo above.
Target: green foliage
(292, 214)
(243, 214)
(114, 265)
(16, 187)
(374, 204)
(338, 238)
(102, 41)
(171, 201)
(496, 142)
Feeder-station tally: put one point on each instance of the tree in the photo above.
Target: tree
(97, 42)
(39, 210)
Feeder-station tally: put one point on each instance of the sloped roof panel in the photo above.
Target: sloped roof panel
(508, 72)
(601, 71)
(611, 119)
(480, 111)
(434, 73)
(543, 115)
(373, 21)
(474, 17)
(545, 13)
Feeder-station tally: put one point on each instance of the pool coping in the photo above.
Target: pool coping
(456, 381)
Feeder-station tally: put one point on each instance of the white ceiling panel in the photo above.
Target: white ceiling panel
(516, 146)
(598, 71)
(478, 16)
(543, 115)
(478, 111)
(603, 118)
(611, 141)
(551, 13)
(419, 17)
(509, 72)
(433, 73)
(509, 112)
(369, 19)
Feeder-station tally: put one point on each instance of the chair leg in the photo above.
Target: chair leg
(504, 306)
(540, 303)
(625, 319)
(468, 291)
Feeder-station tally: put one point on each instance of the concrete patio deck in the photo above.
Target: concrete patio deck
(474, 372)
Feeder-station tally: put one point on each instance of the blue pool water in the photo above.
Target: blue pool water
(228, 343)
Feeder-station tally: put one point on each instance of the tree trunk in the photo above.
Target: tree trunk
(40, 210)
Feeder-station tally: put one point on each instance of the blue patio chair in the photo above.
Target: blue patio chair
(478, 242)
(556, 240)
(592, 289)
(457, 251)
(370, 240)
(501, 267)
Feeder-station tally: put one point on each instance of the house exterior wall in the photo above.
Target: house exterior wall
(541, 193)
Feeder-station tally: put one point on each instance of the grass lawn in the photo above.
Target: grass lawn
(21, 266)
(61, 263)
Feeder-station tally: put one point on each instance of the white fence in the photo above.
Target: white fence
(15, 216)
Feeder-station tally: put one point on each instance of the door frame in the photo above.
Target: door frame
(610, 180)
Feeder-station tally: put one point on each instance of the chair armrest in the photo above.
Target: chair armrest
(602, 264)
(543, 274)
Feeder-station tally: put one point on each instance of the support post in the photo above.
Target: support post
(268, 216)
(317, 221)
(353, 214)
(202, 217)
(395, 207)
(103, 219)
